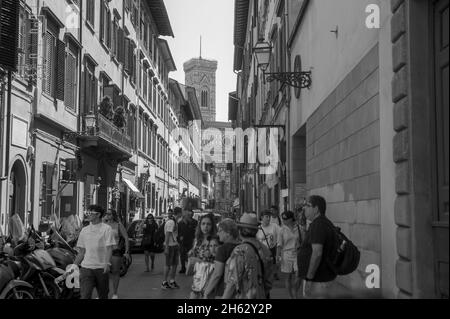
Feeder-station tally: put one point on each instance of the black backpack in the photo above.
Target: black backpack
(346, 255)
(159, 238)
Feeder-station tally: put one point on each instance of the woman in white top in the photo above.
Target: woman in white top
(289, 239)
(123, 247)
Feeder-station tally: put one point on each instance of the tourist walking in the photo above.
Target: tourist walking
(171, 251)
(122, 249)
(229, 237)
(289, 239)
(205, 233)
(248, 271)
(317, 247)
(148, 241)
(95, 243)
(186, 236)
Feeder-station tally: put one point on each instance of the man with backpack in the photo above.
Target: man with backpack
(171, 251)
(317, 250)
(249, 270)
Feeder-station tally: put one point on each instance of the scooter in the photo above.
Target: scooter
(39, 268)
(10, 286)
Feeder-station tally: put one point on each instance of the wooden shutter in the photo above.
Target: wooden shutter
(84, 92)
(94, 104)
(71, 81)
(60, 70)
(121, 45)
(32, 49)
(102, 21)
(9, 28)
(126, 56)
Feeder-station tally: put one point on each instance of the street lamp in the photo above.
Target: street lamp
(298, 79)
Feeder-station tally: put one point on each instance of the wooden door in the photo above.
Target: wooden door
(441, 127)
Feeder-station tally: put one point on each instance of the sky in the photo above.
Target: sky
(213, 20)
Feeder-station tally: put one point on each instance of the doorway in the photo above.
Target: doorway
(17, 191)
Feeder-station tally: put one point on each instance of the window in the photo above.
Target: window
(144, 137)
(90, 12)
(204, 98)
(132, 126)
(71, 81)
(105, 24)
(91, 88)
(47, 189)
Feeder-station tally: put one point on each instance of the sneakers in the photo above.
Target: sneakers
(165, 285)
(115, 297)
(174, 285)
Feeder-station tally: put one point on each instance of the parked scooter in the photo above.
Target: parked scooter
(10, 286)
(39, 268)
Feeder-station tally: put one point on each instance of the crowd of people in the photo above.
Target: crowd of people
(234, 259)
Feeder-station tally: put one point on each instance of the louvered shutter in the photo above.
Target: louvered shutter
(83, 88)
(48, 72)
(70, 82)
(126, 52)
(60, 70)
(32, 49)
(102, 22)
(9, 28)
(94, 104)
(121, 45)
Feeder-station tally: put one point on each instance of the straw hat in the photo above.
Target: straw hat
(248, 221)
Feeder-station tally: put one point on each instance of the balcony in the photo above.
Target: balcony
(104, 137)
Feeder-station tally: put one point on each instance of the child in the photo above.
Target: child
(204, 270)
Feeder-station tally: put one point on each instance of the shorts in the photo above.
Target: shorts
(173, 256)
(118, 253)
(289, 262)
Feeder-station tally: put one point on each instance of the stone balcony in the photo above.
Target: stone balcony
(102, 136)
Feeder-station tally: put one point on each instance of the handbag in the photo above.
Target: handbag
(203, 271)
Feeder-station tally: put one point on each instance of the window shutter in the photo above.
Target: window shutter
(94, 104)
(9, 27)
(102, 22)
(70, 81)
(121, 45)
(84, 92)
(60, 70)
(32, 49)
(126, 52)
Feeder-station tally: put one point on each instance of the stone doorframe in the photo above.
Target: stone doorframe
(411, 89)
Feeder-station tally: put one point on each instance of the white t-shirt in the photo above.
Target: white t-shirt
(171, 227)
(271, 233)
(95, 239)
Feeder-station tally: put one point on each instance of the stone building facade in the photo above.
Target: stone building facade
(370, 134)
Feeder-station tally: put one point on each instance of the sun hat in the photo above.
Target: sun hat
(248, 221)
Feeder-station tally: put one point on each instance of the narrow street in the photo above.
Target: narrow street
(138, 284)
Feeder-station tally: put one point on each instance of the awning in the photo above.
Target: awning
(133, 188)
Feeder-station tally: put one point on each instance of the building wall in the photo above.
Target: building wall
(343, 160)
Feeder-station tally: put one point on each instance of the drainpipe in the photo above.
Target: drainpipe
(290, 204)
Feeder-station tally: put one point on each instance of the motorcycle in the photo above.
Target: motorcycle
(10, 286)
(39, 268)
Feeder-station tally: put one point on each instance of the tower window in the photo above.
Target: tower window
(204, 99)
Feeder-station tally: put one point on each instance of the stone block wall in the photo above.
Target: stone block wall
(343, 160)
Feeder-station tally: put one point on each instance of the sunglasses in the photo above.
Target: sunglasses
(89, 213)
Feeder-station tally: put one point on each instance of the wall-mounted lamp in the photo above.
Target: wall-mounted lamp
(299, 80)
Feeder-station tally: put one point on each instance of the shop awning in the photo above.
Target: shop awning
(133, 188)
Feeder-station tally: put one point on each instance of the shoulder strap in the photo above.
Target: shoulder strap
(300, 239)
(265, 236)
(259, 257)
